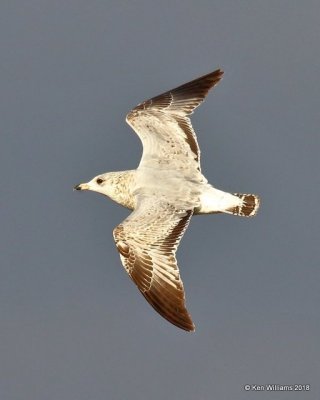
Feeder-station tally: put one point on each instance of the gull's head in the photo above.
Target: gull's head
(97, 184)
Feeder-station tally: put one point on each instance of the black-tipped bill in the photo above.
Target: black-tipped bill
(81, 186)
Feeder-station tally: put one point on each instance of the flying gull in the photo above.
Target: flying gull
(164, 192)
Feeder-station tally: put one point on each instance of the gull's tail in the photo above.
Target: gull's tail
(248, 207)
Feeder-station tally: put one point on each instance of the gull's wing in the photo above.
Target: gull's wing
(163, 125)
(147, 242)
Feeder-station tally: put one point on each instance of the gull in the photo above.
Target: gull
(164, 192)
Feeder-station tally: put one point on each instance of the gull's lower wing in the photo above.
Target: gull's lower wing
(147, 242)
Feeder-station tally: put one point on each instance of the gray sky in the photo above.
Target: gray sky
(73, 325)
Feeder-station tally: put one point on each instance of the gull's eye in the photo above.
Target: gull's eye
(99, 181)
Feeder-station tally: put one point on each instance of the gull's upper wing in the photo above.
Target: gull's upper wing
(147, 242)
(163, 125)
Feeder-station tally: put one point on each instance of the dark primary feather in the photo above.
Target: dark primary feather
(185, 98)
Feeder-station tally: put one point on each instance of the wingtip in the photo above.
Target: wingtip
(190, 328)
(219, 72)
(213, 77)
(187, 325)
